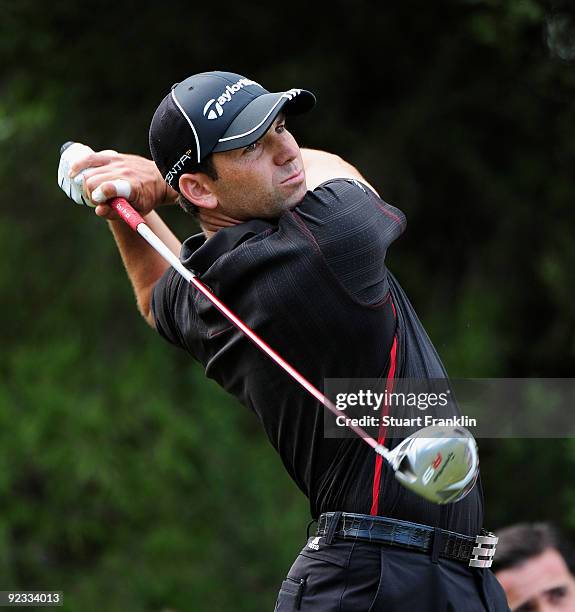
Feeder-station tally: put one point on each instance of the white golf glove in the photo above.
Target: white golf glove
(74, 188)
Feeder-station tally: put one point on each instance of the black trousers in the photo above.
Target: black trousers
(353, 576)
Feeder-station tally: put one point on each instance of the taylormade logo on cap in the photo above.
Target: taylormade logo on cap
(214, 107)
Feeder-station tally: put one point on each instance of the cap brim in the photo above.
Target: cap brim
(256, 118)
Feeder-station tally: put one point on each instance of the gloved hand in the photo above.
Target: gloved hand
(74, 187)
(92, 178)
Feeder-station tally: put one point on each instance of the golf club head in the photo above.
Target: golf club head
(439, 463)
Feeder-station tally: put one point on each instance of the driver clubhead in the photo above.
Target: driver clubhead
(439, 463)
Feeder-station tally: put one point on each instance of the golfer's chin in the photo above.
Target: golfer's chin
(285, 199)
(295, 196)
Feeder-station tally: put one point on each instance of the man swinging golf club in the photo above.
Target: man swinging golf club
(293, 241)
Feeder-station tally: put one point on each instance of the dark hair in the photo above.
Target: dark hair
(208, 168)
(523, 541)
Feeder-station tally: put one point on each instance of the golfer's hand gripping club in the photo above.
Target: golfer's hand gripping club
(73, 187)
(440, 464)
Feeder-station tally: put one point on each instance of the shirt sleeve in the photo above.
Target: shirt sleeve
(353, 228)
(163, 301)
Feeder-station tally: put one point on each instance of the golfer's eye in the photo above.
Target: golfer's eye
(252, 147)
(557, 594)
(280, 127)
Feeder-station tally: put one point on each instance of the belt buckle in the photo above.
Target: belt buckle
(482, 554)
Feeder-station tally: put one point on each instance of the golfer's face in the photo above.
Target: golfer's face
(263, 179)
(541, 584)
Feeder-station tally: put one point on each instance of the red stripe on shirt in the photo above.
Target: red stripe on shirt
(383, 429)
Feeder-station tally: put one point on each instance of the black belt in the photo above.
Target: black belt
(475, 551)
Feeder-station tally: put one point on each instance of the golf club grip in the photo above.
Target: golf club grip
(67, 144)
(125, 210)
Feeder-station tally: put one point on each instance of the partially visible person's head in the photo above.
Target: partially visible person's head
(536, 567)
(220, 140)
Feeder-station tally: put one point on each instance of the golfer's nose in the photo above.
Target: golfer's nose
(286, 149)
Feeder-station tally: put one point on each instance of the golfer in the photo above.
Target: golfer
(294, 242)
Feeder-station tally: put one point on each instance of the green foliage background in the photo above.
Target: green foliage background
(129, 481)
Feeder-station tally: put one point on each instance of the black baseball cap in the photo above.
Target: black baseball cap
(215, 111)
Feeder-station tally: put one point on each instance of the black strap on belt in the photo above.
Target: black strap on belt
(476, 552)
(330, 531)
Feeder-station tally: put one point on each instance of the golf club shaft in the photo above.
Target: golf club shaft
(137, 223)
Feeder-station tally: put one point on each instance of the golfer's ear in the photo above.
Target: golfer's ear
(197, 188)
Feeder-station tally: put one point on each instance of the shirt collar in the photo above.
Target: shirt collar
(198, 253)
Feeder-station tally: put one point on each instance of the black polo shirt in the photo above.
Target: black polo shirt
(314, 286)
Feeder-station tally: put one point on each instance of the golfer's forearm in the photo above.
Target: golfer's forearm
(321, 166)
(143, 264)
(163, 232)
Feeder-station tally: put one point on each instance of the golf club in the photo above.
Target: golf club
(440, 464)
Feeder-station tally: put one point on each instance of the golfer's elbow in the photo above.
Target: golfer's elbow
(144, 301)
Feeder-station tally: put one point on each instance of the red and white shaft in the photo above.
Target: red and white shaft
(137, 223)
